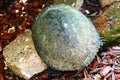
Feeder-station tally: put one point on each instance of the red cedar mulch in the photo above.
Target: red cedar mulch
(15, 17)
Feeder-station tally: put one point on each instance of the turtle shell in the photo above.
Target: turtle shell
(64, 38)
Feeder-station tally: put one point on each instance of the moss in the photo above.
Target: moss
(112, 35)
(108, 25)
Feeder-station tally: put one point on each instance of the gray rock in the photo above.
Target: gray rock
(22, 58)
(76, 3)
(104, 3)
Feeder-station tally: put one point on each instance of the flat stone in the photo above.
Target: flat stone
(22, 58)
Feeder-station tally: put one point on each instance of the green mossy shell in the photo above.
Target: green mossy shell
(64, 38)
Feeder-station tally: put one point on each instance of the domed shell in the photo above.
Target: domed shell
(64, 38)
